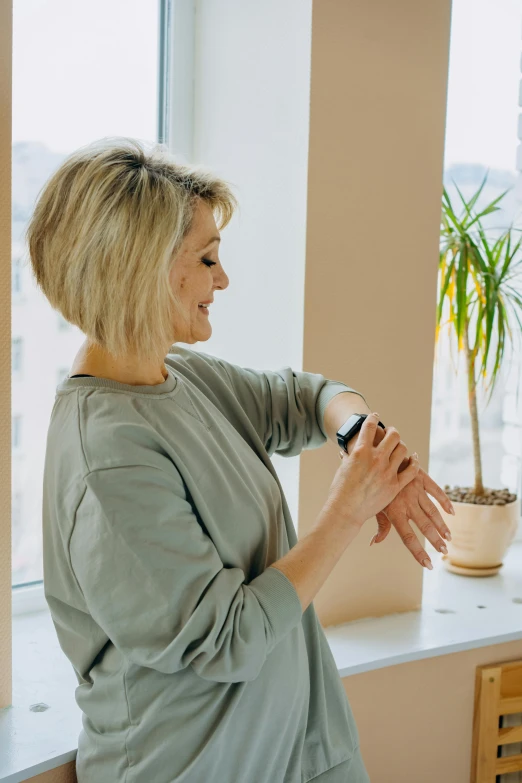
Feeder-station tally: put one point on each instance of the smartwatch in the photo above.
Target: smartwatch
(350, 428)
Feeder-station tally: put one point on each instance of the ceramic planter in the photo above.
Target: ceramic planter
(481, 536)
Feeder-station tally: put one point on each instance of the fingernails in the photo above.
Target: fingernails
(452, 510)
(373, 539)
(415, 455)
(447, 535)
(427, 564)
(444, 549)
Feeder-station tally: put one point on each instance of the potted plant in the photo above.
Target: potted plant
(476, 294)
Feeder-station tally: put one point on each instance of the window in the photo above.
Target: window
(109, 87)
(481, 136)
(16, 278)
(16, 433)
(61, 374)
(16, 354)
(16, 518)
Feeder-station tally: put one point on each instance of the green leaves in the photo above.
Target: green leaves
(475, 274)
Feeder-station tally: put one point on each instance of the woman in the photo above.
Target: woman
(171, 567)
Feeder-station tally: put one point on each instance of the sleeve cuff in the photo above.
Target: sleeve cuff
(329, 390)
(279, 600)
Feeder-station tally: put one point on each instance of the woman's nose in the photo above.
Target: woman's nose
(222, 279)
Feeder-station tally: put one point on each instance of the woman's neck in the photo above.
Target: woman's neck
(93, 360)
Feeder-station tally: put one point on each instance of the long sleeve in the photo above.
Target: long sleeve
(154, 582)
(285, 406)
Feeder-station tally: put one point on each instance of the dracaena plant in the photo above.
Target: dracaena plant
(477, 271)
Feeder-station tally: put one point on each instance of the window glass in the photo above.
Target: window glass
(61, 374)
(16, 281)
(481, 137)
(80, 72)
(16, 434)
(16, 354)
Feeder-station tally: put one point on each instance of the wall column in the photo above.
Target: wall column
(379, 75)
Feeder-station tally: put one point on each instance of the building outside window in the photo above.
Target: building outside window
(16, 354)
(16, 432)
(16, 518)
(63, 325)
(109, 88)
(61, 374)
(16, 276)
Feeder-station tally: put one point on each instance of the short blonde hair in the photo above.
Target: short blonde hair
(103, 236)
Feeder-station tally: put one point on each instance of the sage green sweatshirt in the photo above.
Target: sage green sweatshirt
(162, 514)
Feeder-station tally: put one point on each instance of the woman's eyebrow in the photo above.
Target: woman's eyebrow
(213, 239)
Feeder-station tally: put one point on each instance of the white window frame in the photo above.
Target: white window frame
(176, 77)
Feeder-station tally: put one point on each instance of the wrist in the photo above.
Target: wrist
(337, 512)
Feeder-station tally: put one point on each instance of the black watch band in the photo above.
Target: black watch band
(350, 428)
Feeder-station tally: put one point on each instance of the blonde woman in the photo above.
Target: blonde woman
(173, 575)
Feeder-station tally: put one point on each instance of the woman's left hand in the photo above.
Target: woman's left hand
(413, 503)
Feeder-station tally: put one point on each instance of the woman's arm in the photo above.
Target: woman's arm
(339, 409)
(152, 579)
(285, 406)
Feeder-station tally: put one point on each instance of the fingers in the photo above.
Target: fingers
(438, 493)
(383, 530)
(409, 473)
(390, 441)
(411, 542)
(397, 455)
(367, 432)
(433, 514)
(428, 523)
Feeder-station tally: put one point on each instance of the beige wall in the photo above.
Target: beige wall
(377, 117)
(5, 352)
(415, 720)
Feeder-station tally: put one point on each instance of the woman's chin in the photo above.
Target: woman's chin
(203, 333)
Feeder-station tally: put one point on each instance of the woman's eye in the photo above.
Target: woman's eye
(208, 262)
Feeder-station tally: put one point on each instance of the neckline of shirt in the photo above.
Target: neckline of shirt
(169, 386)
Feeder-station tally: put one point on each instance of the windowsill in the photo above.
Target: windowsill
(34, 742)
(449, 621)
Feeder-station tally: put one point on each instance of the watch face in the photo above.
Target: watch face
(353, 421)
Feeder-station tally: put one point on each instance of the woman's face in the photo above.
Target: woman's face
(196, 274)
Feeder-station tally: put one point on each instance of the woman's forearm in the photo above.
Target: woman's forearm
(309, 563)
(339, 409)
(312, 559)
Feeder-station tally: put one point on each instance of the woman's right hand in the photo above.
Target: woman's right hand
(367, 478)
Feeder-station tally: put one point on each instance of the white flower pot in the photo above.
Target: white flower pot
(480, 537)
